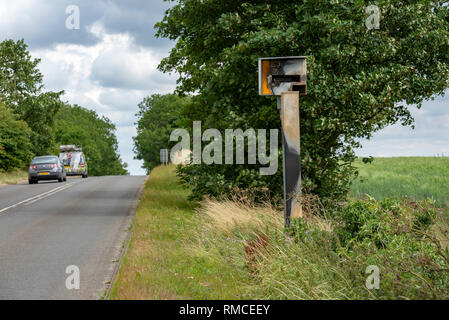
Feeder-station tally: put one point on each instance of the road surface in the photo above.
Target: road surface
(48, 227)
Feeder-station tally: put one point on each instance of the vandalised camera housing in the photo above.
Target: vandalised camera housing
(277, 75)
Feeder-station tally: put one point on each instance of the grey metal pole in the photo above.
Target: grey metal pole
(289, 105)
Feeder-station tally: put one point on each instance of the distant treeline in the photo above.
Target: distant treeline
(34, 122)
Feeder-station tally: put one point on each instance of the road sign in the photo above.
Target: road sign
(277, 75)
(286, 78)
(164, 156)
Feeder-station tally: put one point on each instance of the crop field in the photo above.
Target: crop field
(415, 177)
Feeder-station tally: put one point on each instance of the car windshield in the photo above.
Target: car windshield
(41, 160)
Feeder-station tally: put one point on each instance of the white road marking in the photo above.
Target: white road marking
(39, 197)
(43, 196)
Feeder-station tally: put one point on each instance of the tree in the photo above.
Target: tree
(21, 90)
(14, 141)
(40, 114)
(19, 75)
(359, 80)
(158, 116)
(41, 121)
(96, 135)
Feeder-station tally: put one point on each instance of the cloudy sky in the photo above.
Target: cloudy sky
(109, 65)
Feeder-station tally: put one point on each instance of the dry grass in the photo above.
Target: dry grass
(13, 177)
(228, 215)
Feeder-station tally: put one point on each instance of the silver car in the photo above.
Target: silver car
(46, 168)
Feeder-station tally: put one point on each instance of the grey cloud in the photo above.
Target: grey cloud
(56, 78)
(121, 99)
(138, 18)
(42, 24)
(430, 136)
(121, 118)
(436, 108)
(74, 97)
(119, 70)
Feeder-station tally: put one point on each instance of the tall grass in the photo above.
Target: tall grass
(13, 177)
(311, 261)
(233, 249)
(277, 267)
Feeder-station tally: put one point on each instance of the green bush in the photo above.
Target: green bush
(377, 220)
(406, 240)
(14, 141)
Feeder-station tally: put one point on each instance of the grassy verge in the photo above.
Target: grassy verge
(415, 177)
(232, 249)
(159, 263)
(13, 177)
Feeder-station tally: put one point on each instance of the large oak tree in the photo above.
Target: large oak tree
(360, 80)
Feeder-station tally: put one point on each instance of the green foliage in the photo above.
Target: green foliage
(213, 180)
(19, 75)
(359, 80)
(20, 90)
(407, 241)
(14, 141)
(373, 220)
(158, 116)
(358, 218)
(83, 127)
(40, 114)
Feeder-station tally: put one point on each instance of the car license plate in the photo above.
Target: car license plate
(44, 173)
(67, 168)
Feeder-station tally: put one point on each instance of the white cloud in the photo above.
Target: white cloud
(110, 77)
(429, 138)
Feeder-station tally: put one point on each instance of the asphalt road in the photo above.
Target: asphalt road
(47, 227)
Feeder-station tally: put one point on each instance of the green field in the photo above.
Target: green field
(415, 177)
